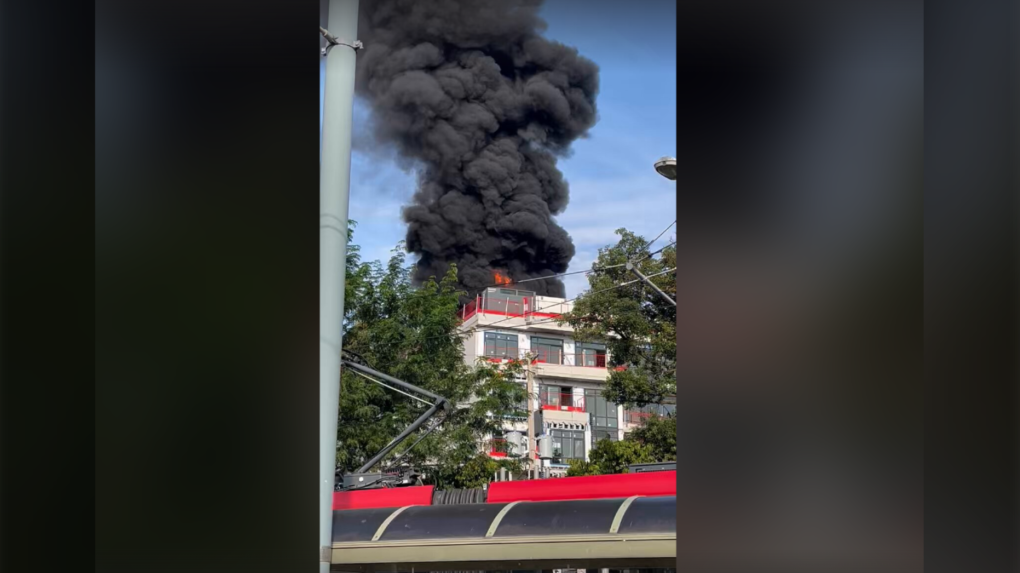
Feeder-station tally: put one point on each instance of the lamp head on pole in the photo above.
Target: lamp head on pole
(666, 167)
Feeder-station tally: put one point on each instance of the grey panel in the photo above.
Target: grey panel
(594, 516)
(442, 522)
(358, 524)
(650, 515)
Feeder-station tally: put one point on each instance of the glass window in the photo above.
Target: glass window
(556, 395)
(590, 354)
(500, 345)
(567, 445)
(550, 395)
(603, 415)
(666, 409)
(548, 350)
(610, 435)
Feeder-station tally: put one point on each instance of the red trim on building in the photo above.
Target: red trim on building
(563, 408)
(520, 315)
(390, 497)
(589, 487)
(649, 484)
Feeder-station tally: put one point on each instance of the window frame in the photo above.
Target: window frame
(556, 346)
(598, 408)
(582, 350)
(498, 337)
(575, 439)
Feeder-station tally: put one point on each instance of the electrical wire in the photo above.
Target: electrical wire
(593, 269)
(650, 243)
(474, 329)
(590, 293)
(557, 275)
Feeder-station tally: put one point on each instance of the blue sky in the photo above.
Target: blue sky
(612, 181)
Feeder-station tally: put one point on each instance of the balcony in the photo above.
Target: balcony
(523, 311)
(587, 367)
(495, 306)
(585, 360)
(562, 402)
(636, 418)
(639, 416)
(497, 448)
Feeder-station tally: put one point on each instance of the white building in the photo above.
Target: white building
(506, 323)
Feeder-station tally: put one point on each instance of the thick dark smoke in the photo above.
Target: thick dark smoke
(483, 105)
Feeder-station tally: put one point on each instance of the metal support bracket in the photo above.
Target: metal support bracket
(325, 555)
(334, 41)
(630, 267)
(499, 517)
(618, 518)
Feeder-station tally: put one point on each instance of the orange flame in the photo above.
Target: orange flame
(501, 279)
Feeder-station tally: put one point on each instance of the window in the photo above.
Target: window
(567, 445)
(548, 350)
(556, 395)
(500, 345)
(604, 416)
(509, 301)
(601, 434)
(662, 410)
(550, 395)
(590, 354)
(604, 412)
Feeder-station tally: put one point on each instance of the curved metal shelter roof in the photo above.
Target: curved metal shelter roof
(627, 532)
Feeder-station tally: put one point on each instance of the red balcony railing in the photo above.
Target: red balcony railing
(589, 360)
(584, 360)
(508, 308)
(636, 418)
(498, 448)
(469, 309)
(564, 402)
(545, 356)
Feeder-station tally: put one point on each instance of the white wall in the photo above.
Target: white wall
(475, 347)
(568, 350)
(523, 343)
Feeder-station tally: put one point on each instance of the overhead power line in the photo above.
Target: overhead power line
(652, 242)
(592, 269)
(650, 255)
(548, 307)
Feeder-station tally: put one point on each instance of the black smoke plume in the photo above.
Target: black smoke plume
(483, 105)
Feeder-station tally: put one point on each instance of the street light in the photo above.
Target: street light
(666, 167)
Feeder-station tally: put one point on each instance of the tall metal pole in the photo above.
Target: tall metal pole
(531, 417)
(334, 195)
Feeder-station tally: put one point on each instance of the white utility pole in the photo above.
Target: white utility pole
(531, 418)
(334, 195)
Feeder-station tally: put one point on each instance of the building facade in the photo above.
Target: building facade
(504, 324)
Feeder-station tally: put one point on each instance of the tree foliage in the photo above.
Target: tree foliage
(636, 324)
(659, 434)
(654, 441)
(411, 333)
(608, 457)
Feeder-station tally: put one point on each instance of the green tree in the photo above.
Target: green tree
(636, 324)
(580, 468)
(659, 434)
(411, 333)
(608, 457)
